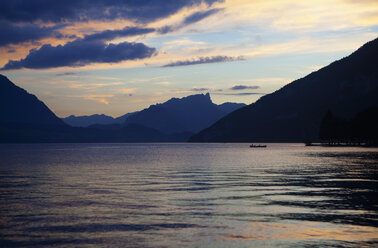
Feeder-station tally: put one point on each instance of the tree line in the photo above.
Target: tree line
(362, 129)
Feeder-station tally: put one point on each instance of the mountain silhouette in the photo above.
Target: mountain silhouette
(24, 118)
(84, 121)
(229, 107)
(188, 114)
(88, 120)
(294, 112)
(19, 106)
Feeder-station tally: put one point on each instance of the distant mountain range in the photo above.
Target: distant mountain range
(24, 118)
(294, 112)
(174, 120)
(88, 120)
(190, 114)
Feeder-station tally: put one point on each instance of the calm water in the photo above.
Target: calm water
(187, 195)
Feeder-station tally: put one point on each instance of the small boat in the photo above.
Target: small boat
(257, 146)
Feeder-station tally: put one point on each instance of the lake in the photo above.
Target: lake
(187, 195)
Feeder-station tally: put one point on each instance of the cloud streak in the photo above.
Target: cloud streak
(112, 34)
(80, 52)
(193, 18)
(204, 60)
(244, 87)
(66, 74)
(199, 89)
(98, 98)
(200, 15)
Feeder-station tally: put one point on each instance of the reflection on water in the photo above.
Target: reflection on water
(187, 195)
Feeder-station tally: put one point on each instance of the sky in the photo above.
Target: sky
(114, 57)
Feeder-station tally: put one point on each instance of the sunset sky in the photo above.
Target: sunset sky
(115, 57)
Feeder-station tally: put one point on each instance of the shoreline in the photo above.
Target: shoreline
(341, 145)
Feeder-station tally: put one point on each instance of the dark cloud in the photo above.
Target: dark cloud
(11, 51)
(15, 34)
(112, 34)
(193, 18)
(204, 60)
(199, 89)
(61, 36)
(83, 10)
(166, 29)
(81, 52)
(32, 32)
(200, 15)
(26, 12)
(244, 87)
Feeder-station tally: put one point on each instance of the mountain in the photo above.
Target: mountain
(189, 114)
(294, 112)
(88, 120)
(122, 118)
(19, 106)
(84, 121)
(229, 107)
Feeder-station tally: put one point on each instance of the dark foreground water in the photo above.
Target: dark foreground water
(187, 195)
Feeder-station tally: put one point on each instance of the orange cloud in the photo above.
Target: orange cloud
(98, 98)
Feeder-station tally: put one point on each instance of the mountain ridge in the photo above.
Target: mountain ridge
(88, 120)
(188, 114)
(294, 112)
(24, 118)
(19, 106)
(175, 104)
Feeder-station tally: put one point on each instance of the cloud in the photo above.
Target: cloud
(143, 11)
(61, 36)
(204, 60)
(33, 32)
(98, 98)
(81, 52)
(193, 18)
(199, 89)
(66, 74)
(182, 42)
(165, 83)
(200, 15)
(167, 29)
(15, 34)
(112, 34)
(244, 87)
(126, 91)
(87, 86)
